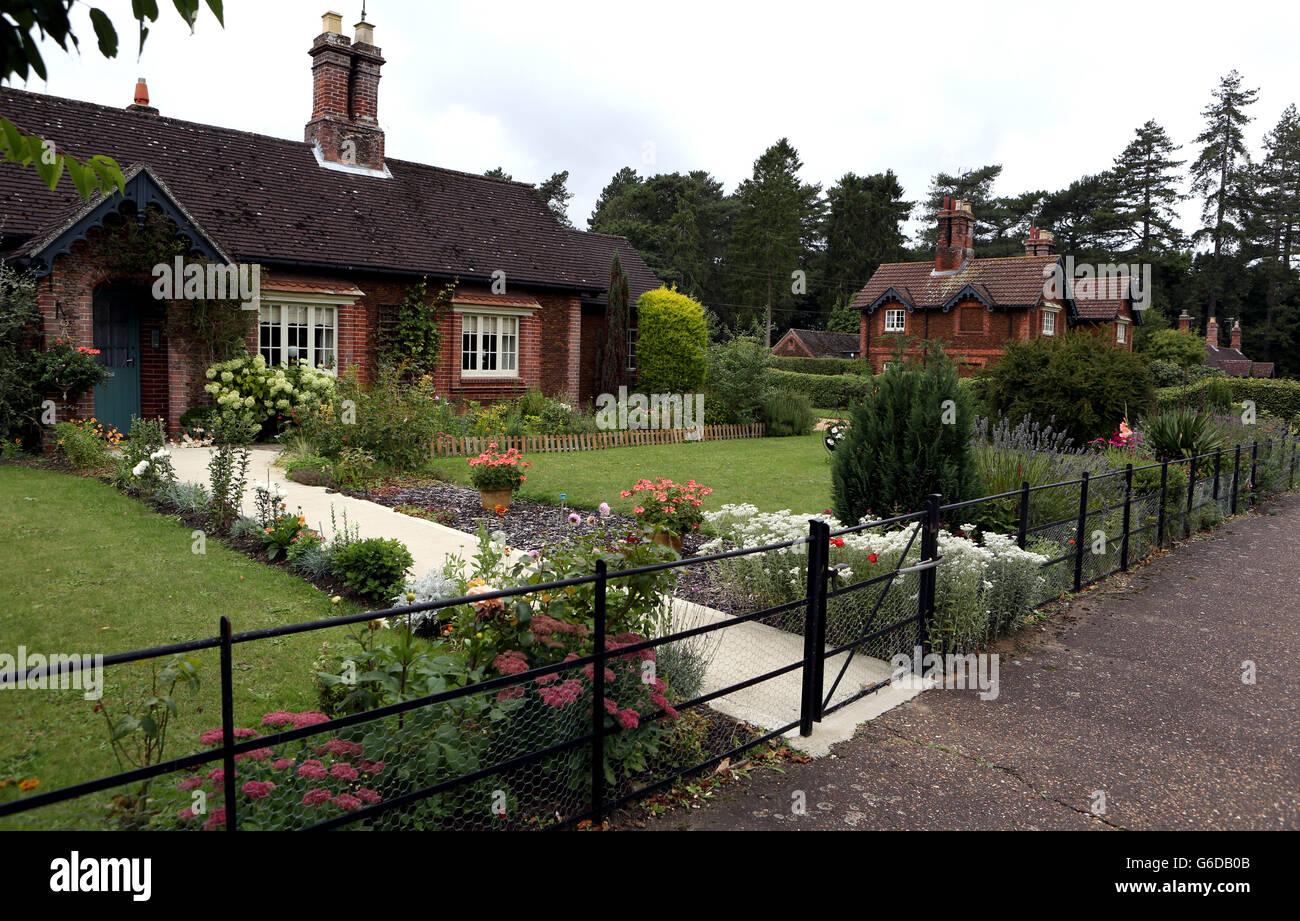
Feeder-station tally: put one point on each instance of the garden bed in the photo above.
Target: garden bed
(529, 525)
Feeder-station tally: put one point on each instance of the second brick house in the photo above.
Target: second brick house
(341, 231)
(977, 305)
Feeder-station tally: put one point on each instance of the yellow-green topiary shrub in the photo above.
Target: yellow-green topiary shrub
(672, 343)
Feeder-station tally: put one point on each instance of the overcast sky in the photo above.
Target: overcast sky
(1049, 90)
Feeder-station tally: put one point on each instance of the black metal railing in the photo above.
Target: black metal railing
(564, 767)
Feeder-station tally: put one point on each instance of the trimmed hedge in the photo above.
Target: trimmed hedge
(820, 365)
(824, 391)
(1280, 396)
(672, 343)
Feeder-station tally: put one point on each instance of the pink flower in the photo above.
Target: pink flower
(313, 770)
(281, 763)
(216, 820)
(341, 747)
(370, 796)
(344, 771)
(316, 797)
(190, 783)
(258, 789)
(347, 802)
(510, 662)
(185, 814)
(562, 694)
(628, 719)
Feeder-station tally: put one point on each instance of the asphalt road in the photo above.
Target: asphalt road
(1134, 691)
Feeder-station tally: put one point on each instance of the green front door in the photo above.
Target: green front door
(117, 336)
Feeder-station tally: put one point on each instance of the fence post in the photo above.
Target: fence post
(814, 625)
(1236, 474)
(1191, 494)
(598, 704)
(1023, 526)
(1218, 457)
(929, 551)
(1078, 537)
(1254, 474)
(1160, 515)
(1128, 513)
(1290, 477)
(228, 723)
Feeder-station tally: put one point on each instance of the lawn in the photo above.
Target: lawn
(771, 473)
(86, 570)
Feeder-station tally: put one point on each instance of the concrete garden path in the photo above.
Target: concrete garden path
(1134, 693)
(738, 653)
(430, 543)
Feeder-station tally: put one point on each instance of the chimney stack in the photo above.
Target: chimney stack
(1040, 243)
(141, 101)
(345, 95)
(1184, 322)
(1236, 335)
(956, 243)
(1212, 333)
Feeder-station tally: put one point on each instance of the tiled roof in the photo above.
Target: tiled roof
(1234, 363)
(482, 298)
(1100, 298)
(1012, 281)
(827, 345)
(267, 200)
(305, 284)
(600, 248)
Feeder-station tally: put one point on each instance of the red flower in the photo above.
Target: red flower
(872, 558)
(837, 542)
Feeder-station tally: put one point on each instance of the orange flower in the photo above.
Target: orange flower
(31, 783)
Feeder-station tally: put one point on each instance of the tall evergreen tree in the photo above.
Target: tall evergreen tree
(555, 192)
(1146, 181)
(864, 218)
(776, 230)
(498, 172)
(1084, 217)
(1221, 175)
(613, 342)
(1279, 187)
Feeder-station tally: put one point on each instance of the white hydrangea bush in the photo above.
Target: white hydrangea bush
(982, 588)
(248, 385)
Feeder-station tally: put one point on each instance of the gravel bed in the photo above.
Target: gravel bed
(529, 525)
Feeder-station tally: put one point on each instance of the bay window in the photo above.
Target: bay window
(489, 345)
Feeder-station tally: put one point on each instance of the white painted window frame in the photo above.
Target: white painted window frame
(311, 302)
(478, 311)
(902, 312)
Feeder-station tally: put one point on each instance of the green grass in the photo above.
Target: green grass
(86, 570)
(771, 473)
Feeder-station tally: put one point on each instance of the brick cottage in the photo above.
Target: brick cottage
(978, 305)
(341, 231)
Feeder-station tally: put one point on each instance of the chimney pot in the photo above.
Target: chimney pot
(1212, 333)
(141, 92)
(365, 33)
(332, 22)
(1184, 321)
(1236, 335)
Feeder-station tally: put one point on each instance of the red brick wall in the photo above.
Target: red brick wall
(555, 347)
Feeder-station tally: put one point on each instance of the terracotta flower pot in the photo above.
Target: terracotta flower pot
(492, 498)
(668, 539)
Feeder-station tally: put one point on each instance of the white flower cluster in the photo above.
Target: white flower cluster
(249, 383)
(983, 588)
(159, 461)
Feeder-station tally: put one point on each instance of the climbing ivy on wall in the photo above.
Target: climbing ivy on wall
(414, 343)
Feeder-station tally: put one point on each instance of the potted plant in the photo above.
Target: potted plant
(497, 475)
(668, 510)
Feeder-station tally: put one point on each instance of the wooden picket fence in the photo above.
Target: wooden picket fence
(448, 446)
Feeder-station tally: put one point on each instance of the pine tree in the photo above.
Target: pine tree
(1084, 217)
(1279, 186)
(776, 228)
(1147, 180)
(555, 192)
(864, 217)
(1222, 172)
(498, 172)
